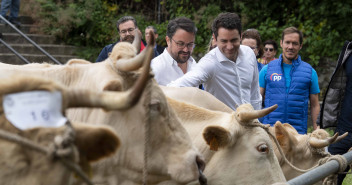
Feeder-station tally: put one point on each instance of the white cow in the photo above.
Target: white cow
(171, 153)
(302, 150)
(235, 151)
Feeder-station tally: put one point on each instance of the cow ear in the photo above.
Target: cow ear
(285, 138)
(95, 142)
(216, 137)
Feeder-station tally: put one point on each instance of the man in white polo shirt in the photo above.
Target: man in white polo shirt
(176, 59)
(230, 70)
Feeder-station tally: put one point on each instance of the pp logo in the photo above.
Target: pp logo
(275, 77)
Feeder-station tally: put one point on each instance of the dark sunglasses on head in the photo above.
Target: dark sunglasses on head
(270, 49)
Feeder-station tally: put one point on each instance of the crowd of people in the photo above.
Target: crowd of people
(237, 67)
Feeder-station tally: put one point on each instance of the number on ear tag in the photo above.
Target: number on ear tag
(31, 109)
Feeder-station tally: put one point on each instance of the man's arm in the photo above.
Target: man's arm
(313, 98)
(314, 108)
(262, 82)
(262, 92)
(198, 75)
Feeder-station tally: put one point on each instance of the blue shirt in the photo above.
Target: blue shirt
(314, 86)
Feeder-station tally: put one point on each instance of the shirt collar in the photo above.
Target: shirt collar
(222, 58)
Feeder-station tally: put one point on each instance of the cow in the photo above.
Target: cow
(302, 150)
(171, 154)
(21, 165)
(236, 149)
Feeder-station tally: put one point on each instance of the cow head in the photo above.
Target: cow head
(22, 165)
(302, 150)
(232, 149)
(242, 149)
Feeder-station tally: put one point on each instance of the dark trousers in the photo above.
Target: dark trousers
(341, 148)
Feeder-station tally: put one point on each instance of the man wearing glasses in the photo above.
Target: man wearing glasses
(126, 27)
(229, 71)
(176, 60)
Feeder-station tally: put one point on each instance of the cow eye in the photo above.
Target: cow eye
(155, 106)
(263, 148)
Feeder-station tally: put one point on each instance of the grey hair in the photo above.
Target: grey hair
(152, 27)
(125, 19)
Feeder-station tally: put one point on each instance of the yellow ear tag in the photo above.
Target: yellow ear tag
(214, 145)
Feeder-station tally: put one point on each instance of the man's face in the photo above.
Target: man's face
(290, 47)
(127, 31)
(147, 36)
(228, 41)
(181, 45)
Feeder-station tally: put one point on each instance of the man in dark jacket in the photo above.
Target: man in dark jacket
(336, 110)
(126, 27)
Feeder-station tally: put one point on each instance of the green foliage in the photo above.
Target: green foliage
(325, 24)
(348, 179)
(91, 23)
(203, 19)
(84, 23)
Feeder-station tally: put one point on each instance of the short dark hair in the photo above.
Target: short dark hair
(228, 21)
(125, 19)
(271, 42)
(290, 30)
(152, 27)
(254, 34)
(181, 23)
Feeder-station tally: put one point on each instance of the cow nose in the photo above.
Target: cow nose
(201, 166)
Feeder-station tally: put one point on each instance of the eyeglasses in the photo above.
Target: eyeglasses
(181, 45)
(270, 49)
(129, 30)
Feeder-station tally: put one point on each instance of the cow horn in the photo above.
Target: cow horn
(137, 40)
(112, 100)
(321, 143)
(245, 116)
(137, 61)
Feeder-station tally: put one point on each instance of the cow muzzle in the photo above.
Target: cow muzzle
(201, 166)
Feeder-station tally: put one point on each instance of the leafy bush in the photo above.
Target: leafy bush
(91, 23)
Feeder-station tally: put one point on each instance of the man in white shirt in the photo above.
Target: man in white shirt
(176, 59)
(229, 71)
